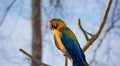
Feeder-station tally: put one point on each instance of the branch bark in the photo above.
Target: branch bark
(66, 61)
(103, 21)
(33, 58)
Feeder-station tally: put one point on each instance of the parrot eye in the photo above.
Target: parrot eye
(54, 26)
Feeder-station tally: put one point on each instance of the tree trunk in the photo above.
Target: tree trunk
(36, 31)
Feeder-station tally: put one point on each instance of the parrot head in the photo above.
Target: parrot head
(55, 23)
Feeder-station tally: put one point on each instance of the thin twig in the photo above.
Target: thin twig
(103, 21)
(84, 32)
(6, 11)
(33, 58)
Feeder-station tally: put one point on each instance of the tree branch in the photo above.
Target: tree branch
(66, 61)
(103, 21)
(33, 58)
(112, 26)
(6, 11)
(84, 32)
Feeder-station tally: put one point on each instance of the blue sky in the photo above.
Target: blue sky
(15, 32)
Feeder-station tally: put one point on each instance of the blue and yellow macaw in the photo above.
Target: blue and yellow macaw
(66, 41)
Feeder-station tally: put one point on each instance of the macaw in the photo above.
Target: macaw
(67, 42)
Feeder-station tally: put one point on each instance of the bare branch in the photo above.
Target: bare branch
(6, 11)
(112, 26)
(33, 58)
(66, 61)
(84, 32)
(98, 46)
(103, 21)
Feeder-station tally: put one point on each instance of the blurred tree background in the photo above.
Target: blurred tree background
(23, 24)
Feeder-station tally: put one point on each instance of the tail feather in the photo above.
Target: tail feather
(77, 64)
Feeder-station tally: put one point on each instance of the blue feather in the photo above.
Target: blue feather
(72, 46)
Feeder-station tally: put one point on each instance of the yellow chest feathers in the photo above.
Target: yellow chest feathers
(58, 42)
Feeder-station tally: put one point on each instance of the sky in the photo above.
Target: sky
(15, 32)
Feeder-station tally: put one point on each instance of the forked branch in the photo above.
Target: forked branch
(95, 36)
(84, 32)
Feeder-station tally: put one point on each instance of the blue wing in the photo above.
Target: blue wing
(72, 46)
